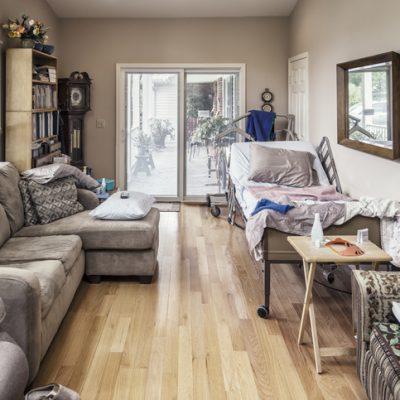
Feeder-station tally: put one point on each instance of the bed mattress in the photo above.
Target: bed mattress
(240, 168)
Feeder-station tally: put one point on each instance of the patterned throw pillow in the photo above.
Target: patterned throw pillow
(55, 200)
(30, 214)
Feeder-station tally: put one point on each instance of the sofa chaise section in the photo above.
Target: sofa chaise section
(111, 247)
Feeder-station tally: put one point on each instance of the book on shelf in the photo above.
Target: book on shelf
(44, 97)
(44, 73)
(45, 125)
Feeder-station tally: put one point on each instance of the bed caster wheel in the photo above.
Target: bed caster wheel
(215, 211)
(263, 312)
(229, 219)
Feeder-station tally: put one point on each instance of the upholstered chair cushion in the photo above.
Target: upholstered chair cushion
(10, 197)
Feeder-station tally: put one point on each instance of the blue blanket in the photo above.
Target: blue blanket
(265, 204)
(260, 125)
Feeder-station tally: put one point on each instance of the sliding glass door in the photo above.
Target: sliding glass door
(212, 100)
(167, 120)
(152, 133)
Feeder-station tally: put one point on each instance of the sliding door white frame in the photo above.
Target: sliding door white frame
(181, 69)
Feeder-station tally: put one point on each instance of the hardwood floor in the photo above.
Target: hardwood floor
(194, 333)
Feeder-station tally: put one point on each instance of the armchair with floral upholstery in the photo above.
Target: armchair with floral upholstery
(378, 332)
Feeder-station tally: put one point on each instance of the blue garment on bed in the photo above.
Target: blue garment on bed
(260, 125)
(265, 204)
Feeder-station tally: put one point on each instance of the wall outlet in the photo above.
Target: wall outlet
(100, 123)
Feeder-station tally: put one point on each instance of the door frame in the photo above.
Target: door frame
(181, 69)
(295, 58)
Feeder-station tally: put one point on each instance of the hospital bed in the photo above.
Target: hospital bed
(275, 248)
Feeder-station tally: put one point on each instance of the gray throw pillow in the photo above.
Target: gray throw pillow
(281, 166)
(30, 214)
(55, 200)
(52, 172)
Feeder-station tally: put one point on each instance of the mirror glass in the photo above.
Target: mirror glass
(369, 104)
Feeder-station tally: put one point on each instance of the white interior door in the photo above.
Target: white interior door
(298, 94)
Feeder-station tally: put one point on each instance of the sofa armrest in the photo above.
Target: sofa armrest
(88, 199)
(373, 295)
(20, 292)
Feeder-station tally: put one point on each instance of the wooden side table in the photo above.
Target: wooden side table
(312, 257)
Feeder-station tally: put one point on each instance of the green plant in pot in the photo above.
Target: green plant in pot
(208, 128)
(160, 129)
(141, 141)
(28, 30)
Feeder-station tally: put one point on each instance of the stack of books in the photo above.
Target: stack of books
(44, 97)
(44, 73)
(44, 125)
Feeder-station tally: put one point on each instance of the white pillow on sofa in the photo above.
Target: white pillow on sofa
(136, 206)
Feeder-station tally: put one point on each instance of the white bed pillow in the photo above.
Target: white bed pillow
(240, 159)
(137, 206)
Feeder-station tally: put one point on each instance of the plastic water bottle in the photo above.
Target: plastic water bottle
(103, 186)
(317, 234)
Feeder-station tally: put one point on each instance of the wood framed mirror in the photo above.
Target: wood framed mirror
(368, 104)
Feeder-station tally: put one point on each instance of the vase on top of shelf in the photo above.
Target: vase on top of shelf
(28, 30)
(27, 43)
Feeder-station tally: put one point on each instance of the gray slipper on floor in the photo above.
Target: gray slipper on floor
(53, 391)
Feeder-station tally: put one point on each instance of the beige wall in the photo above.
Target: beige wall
(334, 32)
(38, 9)
(96, 46)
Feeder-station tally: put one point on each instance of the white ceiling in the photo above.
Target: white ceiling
(170, 8)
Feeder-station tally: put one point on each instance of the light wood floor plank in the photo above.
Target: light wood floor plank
(194, 332)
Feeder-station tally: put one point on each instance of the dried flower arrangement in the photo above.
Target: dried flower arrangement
(26, 29)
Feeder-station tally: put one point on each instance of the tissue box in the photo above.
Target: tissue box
(110, 184)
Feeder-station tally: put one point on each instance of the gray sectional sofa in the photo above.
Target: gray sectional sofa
(41, 266)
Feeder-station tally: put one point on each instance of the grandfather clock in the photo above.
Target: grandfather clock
(74, 103)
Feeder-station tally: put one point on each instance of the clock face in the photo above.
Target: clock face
(267, 96)
(267, 107)
(77, 97)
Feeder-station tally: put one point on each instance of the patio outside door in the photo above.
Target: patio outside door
(167, 119)
(152, 133)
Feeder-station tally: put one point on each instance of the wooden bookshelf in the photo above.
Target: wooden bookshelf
(37, 82)
(43, 110)
(21, 93)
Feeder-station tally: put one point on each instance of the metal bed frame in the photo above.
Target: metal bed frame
(325, 155)
(215, 201)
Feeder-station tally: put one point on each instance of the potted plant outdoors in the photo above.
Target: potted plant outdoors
(208, 128)
(141, 141)
(28, 30)
(160, 129)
